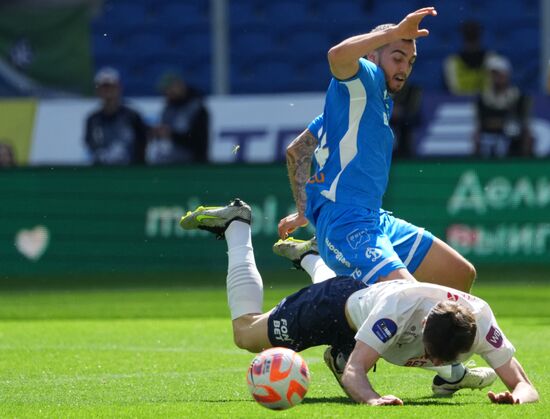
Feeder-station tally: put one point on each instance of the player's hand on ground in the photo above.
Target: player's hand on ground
(290, 223)
(408, 28)
(505, 397)
(389, 400)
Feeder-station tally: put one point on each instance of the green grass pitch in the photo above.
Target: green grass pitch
(167, 351)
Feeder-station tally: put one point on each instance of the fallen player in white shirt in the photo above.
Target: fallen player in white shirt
(405, 322)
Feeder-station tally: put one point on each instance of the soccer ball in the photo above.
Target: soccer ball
(278, 378)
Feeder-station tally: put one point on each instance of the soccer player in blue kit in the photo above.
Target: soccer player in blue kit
(352, 146)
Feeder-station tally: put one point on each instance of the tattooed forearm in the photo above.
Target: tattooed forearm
(298, 161)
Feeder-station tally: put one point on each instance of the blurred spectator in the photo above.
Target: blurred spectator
(465, 72)
(502, 115)
(7, 156)
(182, 135)
(405, 116)
(115, 134)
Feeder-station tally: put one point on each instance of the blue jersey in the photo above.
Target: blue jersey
(316, 126)
(355, 142)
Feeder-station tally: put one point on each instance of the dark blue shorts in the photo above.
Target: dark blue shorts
(314, 316)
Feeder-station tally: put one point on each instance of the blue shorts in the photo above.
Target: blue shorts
(366, 244)
(314, 316)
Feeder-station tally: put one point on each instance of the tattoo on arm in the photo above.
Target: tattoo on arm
(298, 162)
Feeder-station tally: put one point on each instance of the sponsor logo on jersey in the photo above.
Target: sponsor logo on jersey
(384, 329)
(357, 273)
(357, 237)
(408, 336)
(468, 297)
(280, 331)
(416, 362)
(339, 255)
(494, 337)
(373, 254)
(452, 297)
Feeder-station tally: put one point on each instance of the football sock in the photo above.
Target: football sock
(458, 372)
(316, 268)
(244, 283)
(450, 373)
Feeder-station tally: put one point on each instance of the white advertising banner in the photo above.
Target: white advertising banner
(59, 125)
(242, 128)
(258, 128)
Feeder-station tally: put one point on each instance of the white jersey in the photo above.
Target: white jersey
(388, 317)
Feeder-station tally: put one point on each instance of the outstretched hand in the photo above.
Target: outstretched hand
(408, 28)
(290, 223)
(505, 397)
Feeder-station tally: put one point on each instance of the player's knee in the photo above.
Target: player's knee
(244, 339)
(473, 274)
(469, 275)
(240, 339)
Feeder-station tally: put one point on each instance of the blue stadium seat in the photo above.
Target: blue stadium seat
(526, 40)
(307, 44)
(452, 13)
(526, 75)
(196, 44)
(124, 13)
(147, 44)
(392, 11)
(289, 14)
(252, 41)
(341, 12)
(105, 43)
(313, 76)
(267, 74)
(146, 76)
(282, 45)
(428, 74)
(246, 12)
(512, 10)
(178, 13)
(276, 73)
(437, 45)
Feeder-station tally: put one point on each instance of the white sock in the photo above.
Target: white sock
(316, 268)
(244, 283)
(450, 373)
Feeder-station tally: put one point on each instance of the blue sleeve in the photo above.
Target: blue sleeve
(370, 74)
(315, 126)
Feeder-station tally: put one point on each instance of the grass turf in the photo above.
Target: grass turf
(168, 352)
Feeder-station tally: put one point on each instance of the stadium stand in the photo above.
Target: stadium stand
(281, 46)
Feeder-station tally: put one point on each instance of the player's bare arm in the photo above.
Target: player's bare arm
(298, 160)
(344, 57)
(355, 381)
(520, 388)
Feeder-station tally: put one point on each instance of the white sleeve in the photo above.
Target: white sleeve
(492, 345)
(382, 325)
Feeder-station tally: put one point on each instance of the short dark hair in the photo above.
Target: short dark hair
(385, 26)
(450, 330)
